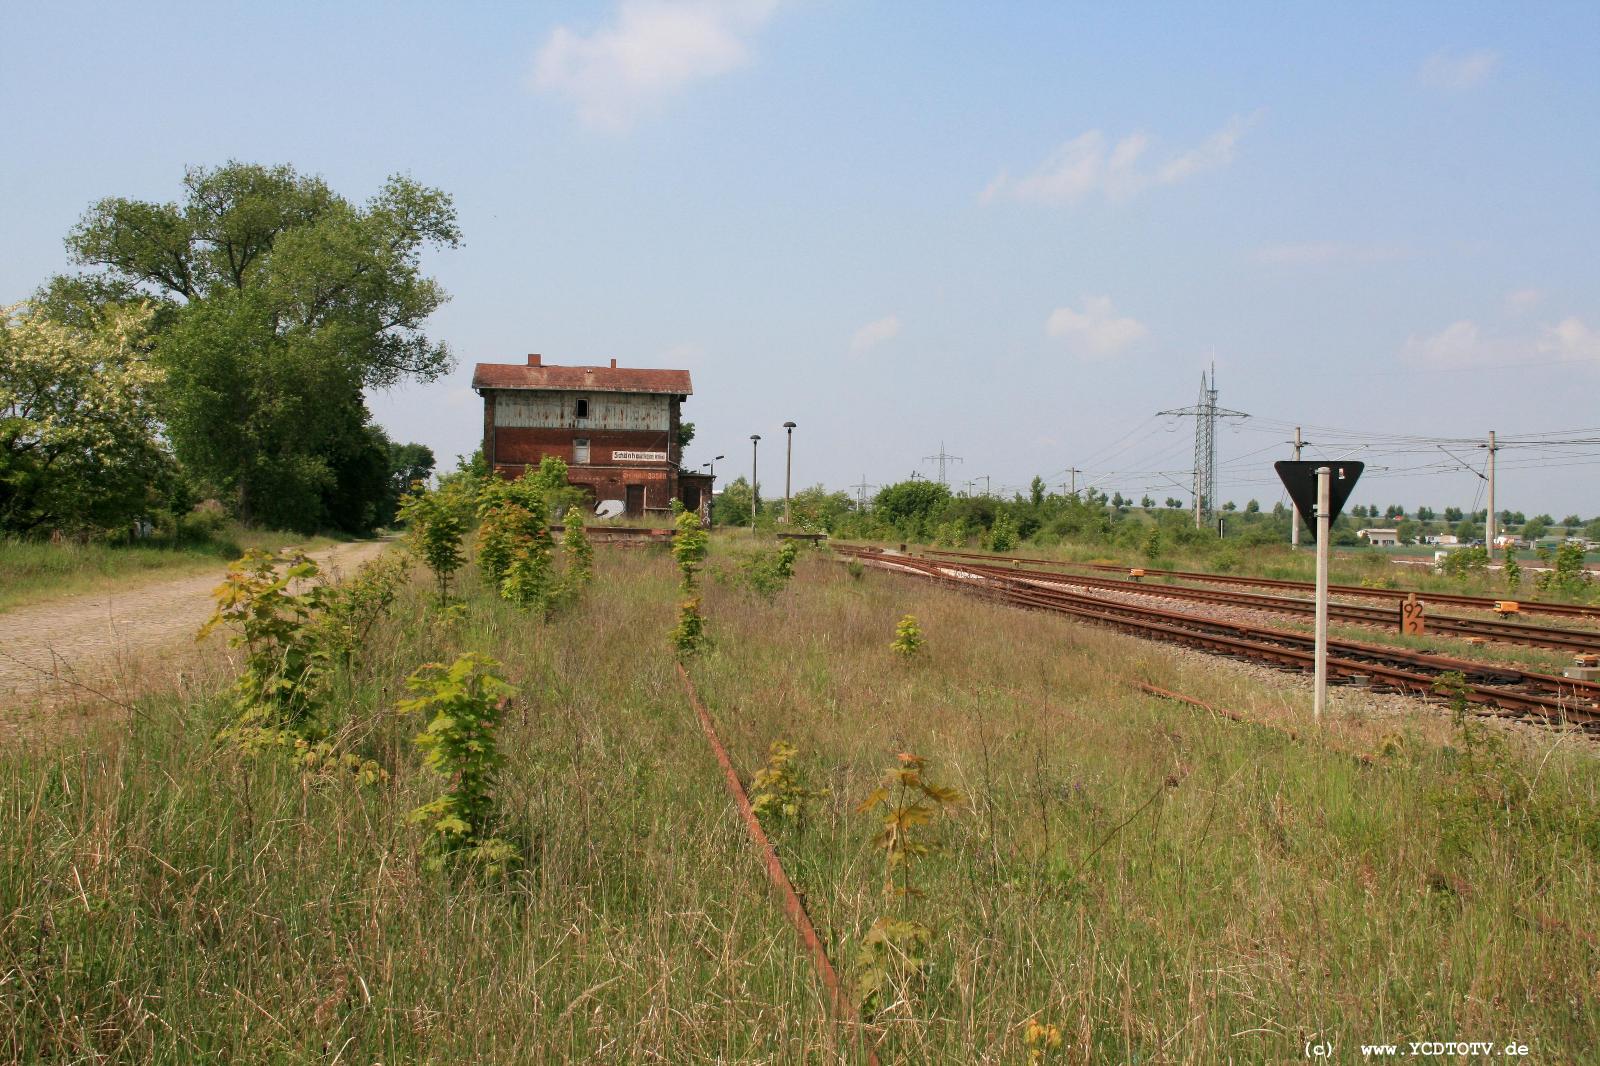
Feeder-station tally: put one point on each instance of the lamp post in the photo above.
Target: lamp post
(788, 468)
(712, 466)
(755, 442)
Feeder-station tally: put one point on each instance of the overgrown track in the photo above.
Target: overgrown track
(1479, 603)
(1574, 640)
(1504, 690)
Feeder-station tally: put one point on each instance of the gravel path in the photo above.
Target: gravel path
(51, 651)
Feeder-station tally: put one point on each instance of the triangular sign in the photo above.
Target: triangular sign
(1300, 478)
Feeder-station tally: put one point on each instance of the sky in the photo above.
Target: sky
(1012, 233)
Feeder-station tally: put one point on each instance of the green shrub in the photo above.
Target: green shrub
(463, 704)
(285, 655)
(434, 526)
(908, 639)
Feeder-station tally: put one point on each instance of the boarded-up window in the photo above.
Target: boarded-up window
(580, 450)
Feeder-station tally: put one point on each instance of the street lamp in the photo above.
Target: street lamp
(788, 467)
(712, 466)
(755, 442)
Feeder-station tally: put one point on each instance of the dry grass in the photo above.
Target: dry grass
(164, 900)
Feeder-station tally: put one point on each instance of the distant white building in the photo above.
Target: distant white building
(1443, 540)
(1380, 538)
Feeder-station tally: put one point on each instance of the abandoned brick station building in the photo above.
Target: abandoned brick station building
(616, 428)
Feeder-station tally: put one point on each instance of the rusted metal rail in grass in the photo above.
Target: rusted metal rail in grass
(1479, 603)
(838, 1000)
(1574, 640)
(1507, 690)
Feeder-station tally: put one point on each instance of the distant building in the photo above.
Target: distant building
(1442, 539)
(615, 427)
(1380, 538)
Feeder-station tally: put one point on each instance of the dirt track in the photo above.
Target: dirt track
(113, 641)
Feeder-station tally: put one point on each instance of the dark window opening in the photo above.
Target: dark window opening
(583, 409)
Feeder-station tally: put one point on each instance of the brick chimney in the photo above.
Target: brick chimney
(613, 364)
(535, 359)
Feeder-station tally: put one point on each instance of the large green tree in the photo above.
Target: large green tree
(280, 302)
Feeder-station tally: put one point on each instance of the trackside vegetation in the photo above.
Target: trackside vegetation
(467, 831)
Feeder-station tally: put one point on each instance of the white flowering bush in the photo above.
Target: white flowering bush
(79, 442)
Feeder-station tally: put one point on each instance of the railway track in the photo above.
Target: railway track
(1573, 640)
(1479, 603)
(1505, 690)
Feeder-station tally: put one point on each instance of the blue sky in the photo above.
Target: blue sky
(1019, 230)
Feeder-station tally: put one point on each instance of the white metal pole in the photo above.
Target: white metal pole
(1324, 531)
(1294, 508)
(1489, 529)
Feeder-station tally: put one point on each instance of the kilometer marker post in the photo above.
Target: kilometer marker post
(1324, 521)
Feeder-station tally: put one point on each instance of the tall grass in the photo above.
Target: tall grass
(163, 899)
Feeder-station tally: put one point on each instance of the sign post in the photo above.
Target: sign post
(1320, 489)
(1324, 521)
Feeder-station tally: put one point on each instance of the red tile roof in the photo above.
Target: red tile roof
(581, 378)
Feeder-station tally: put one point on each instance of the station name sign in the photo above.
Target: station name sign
(639, 457)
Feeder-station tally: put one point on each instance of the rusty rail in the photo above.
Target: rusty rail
(793, 907)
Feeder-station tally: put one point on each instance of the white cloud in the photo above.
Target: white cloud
(649, 49)
(875, 333)
(1096, 330)
(1460, 342)
(1570, 338)
(1090, 164)
(1463, 344)
(1523, 300)
(1317, 253)
(1457, 71)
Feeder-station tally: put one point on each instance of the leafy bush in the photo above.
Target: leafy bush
(1002, 536)
(690, 544)
(779, 793)
(767, 573)
(530, 578)
(1466, 562)
(502, 530)
(893, 955)
(434, 526)
(1565, 573)
(908, 639)
(463, 704)
(580, 553)
(286, 659)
